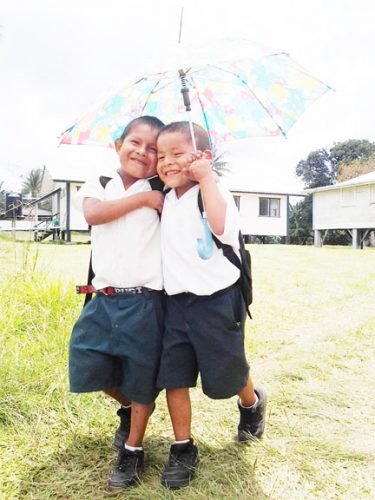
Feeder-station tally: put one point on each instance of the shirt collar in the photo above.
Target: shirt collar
(190, 193)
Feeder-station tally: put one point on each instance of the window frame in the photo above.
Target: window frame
(268, 199)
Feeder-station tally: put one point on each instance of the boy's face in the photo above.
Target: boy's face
(174, 157)
(137, 152)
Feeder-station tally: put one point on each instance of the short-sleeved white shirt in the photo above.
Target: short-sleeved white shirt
(125, 252)
(181, 224)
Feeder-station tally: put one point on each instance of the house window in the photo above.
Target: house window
(237, 201)
(269, 207)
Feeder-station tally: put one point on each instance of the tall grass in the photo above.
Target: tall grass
(311, 344)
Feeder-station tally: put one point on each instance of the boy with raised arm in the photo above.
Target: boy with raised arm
(205, 311)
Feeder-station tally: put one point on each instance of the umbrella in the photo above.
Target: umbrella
(233, 88)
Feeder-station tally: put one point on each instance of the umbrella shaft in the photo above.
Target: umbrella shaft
(192, 132)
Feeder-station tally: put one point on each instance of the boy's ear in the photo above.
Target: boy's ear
(207, 153)
(118, 144)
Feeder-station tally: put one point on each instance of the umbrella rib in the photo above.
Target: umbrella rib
(253, 93)
(150, 93)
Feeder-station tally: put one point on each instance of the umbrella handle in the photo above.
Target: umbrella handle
(187, 104)
(204, 247)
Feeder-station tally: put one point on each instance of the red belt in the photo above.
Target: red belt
(109, 290)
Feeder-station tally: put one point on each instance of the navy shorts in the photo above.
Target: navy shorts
(205, 334)
(116, 342)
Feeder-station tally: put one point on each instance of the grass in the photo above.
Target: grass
(311, 345)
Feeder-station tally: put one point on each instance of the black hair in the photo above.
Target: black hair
(201, 136)
(153, 122)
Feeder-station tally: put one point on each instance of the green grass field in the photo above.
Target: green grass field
(311, 344)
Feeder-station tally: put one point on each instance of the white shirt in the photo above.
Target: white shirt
(181, 225)
(125, 252)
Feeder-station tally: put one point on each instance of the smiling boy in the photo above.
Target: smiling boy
(116, 342)
(205, 313)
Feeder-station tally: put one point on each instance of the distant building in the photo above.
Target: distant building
(264, 204)
(65, 186)
(348, 205)
(263, 213)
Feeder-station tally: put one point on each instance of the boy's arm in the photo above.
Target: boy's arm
(99, 212)
(214, 202)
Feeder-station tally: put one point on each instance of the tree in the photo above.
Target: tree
(2, 197)
(316, 170)
(32, 182)
(352, 158)
(300, 221)
(219, 164)
(355, 168)
(350, 150)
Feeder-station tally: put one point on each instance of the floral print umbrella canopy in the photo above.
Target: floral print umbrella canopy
(236, 91)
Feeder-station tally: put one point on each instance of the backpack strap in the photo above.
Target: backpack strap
(230, 254)
(104, 180)
(156, 183)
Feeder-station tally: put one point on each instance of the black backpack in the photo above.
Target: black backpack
(243, 263)
(156, 185)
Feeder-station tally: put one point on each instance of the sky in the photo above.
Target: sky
(58, 58)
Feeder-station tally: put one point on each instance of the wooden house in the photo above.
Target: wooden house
(348, 205)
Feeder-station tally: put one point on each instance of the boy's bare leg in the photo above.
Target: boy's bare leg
(183, 457)
(179, 407)
(252, 408)
(115, 393)
(247, 394)
(130, 462)
(139, 419)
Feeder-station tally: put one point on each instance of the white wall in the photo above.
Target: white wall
(345, 208)
(254, 224)
(20, 225)
(77, 221)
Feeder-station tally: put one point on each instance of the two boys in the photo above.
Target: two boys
(205, 313)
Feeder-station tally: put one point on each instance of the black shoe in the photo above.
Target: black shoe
(253, 420)
(129, 465)
(182, 463)
(123, 430)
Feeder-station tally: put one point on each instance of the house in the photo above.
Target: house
(62, 188)
(348, 205)
(64, 176)
(264, 207)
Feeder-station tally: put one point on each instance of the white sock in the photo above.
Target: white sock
(126, 406)
(182, 442)
(252, 406)
(133, 448)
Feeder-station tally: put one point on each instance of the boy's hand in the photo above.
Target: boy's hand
(199, 167)
(154, 199)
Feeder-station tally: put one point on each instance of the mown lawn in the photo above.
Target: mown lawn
(311, 344)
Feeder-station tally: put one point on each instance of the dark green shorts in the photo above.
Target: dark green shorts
(116, 342)
(205, 334)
